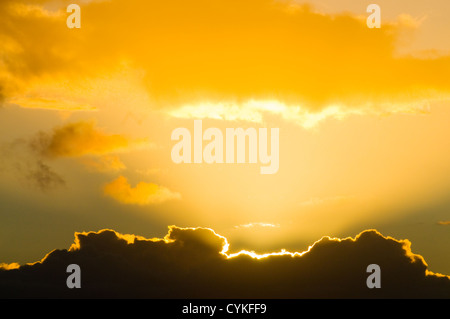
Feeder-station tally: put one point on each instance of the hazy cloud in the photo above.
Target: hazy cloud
(142, 194)
(17, 158)
(82, 138)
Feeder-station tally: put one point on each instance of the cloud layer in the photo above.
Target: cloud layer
(218, 51)
(193, 263)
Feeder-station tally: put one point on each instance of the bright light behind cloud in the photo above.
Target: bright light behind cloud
(255, 112)
(362, 115)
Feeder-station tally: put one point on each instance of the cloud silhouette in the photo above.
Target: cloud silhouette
(193, 263)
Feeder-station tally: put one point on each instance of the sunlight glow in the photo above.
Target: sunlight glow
(255, 111)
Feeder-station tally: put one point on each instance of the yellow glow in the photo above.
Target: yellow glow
(9, 266)
(142, 194)
(254, 111)
(193, 55)
(363, 114)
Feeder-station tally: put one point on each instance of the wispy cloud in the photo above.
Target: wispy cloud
(251, 225)
(83, 138)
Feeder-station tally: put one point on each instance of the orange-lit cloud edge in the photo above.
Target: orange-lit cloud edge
(130, 239)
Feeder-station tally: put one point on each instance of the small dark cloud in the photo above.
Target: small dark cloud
(20, 158)
(43, 177)
(39, 143)
(190, 263)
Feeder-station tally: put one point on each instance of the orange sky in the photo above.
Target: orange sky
(87, 116)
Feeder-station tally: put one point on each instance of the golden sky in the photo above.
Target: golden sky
(86, 118)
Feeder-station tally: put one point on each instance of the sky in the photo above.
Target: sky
(87, 115)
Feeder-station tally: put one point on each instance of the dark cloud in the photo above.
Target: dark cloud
(43, 177)
(189, 263)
